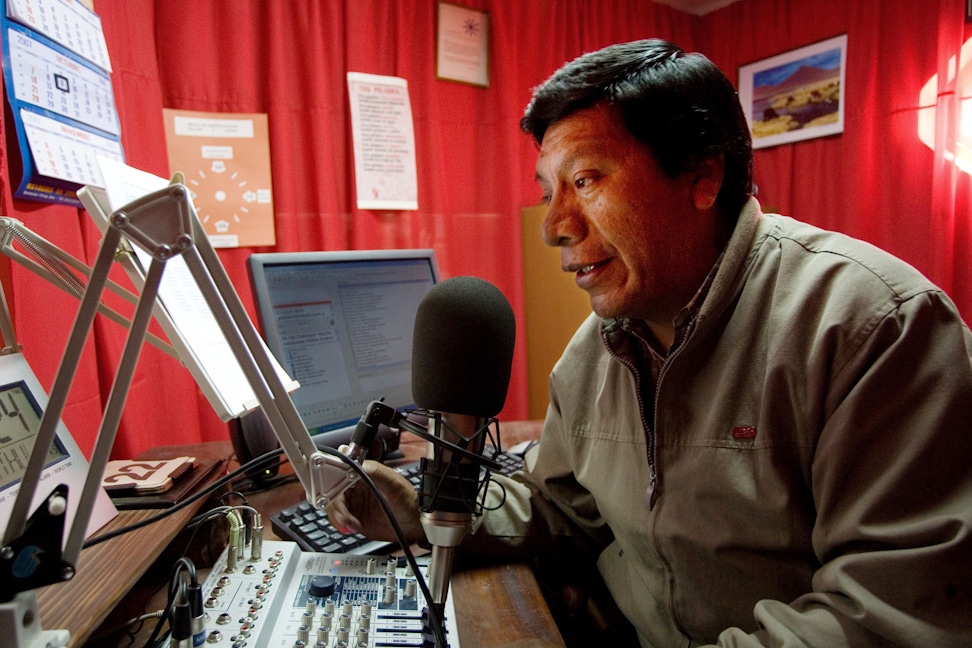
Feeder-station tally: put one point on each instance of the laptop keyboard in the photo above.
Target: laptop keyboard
(312, 531)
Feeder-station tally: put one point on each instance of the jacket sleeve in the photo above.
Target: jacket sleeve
(544, 504)
(892, 483)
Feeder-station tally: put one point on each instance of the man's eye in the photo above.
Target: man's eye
(585, 181)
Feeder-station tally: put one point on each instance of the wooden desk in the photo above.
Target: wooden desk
(107, 571)
(495, 606)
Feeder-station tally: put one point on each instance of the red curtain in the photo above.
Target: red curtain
(289, 58)
(876, 181)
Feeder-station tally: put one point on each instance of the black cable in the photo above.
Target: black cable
(436, 620)
(251, 486)
(181, 564)
(216, 485)
(231, 493)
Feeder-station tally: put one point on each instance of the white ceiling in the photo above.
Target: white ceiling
(697, 7)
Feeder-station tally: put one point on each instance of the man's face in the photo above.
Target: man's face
(640, 243)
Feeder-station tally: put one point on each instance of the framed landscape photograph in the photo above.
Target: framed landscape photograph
(796, 95)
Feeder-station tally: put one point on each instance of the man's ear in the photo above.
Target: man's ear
(708, 181)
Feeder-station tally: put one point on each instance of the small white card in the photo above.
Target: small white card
(145, 476)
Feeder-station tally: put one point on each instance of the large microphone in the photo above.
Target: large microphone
(462, 354)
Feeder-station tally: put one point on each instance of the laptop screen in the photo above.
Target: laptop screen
(341, 324)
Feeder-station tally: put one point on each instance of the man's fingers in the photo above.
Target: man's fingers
(341, 517)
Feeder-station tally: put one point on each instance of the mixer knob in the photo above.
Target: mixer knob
(322, 586)
(326, 618)
(410, 588)
(307, 617)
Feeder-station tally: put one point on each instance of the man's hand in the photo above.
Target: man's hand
(357, 511)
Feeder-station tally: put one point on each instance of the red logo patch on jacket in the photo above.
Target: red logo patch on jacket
(744, 432)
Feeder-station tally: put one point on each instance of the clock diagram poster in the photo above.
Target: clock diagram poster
(225, 158)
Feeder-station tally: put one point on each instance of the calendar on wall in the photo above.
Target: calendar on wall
(56, 75)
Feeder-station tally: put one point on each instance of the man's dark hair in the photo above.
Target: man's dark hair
(679, 104)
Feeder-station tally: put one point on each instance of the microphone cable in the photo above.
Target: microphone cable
(435, 619)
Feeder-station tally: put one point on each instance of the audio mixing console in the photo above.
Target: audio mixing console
(294, 599)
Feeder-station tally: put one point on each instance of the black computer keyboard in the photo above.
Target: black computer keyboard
(312, 531)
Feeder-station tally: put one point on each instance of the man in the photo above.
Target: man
(765, 429)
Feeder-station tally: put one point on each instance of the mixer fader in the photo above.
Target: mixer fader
(294, 599)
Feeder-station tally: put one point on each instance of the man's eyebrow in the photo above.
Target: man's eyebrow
(570, 158)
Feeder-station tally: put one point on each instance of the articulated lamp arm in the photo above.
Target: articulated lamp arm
(164, 224)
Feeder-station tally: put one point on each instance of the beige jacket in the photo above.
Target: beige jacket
(812, 444)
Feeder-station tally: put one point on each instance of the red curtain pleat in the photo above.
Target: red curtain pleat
(289, 59)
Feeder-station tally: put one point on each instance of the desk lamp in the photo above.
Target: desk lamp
(164, 224)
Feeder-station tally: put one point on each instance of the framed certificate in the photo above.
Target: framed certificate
(462, 45)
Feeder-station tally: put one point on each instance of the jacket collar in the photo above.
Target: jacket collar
(735, 261)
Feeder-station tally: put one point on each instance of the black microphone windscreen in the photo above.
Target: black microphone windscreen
(462, 349)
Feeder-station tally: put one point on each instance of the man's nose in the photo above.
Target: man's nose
(563, 224)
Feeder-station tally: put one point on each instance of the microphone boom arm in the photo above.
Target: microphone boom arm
(165, 224)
